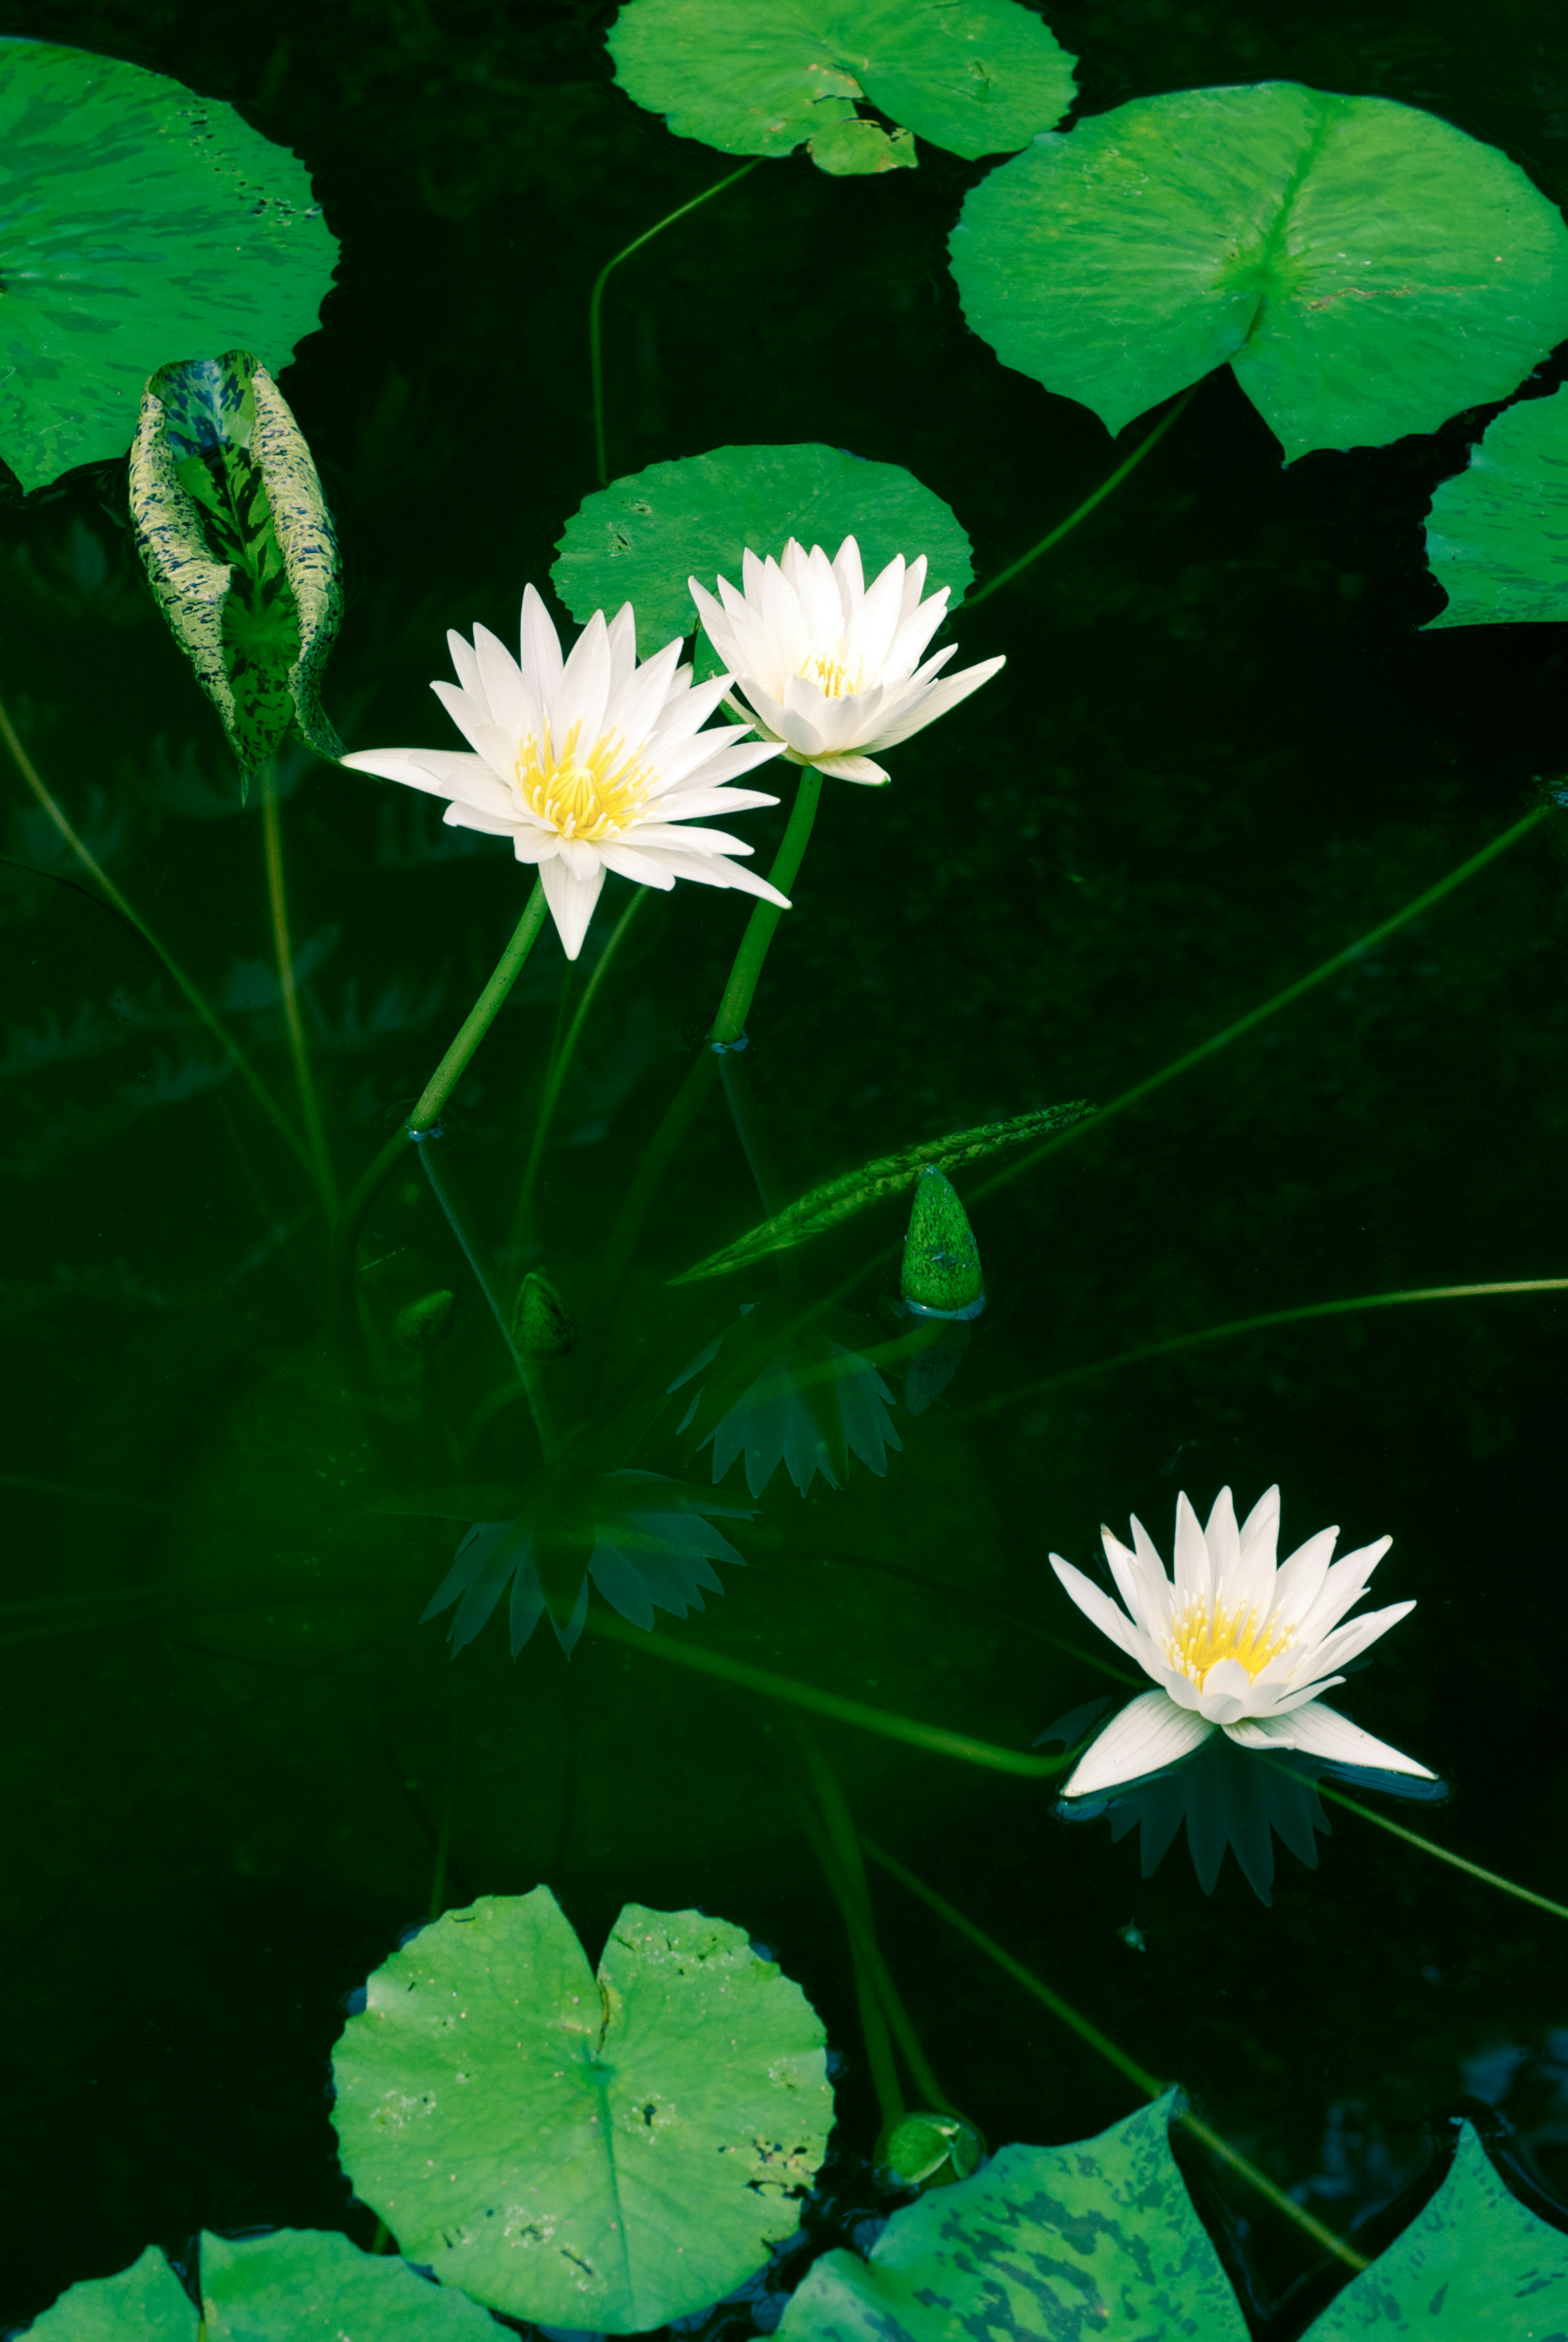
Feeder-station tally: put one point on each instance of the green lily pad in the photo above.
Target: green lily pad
(310, 2284)
(138, 224)
(240, 548)
(1474, 2262)
(1365, 268)
(1097, 2238)
(759, 76)
(858, 150)
(642, 538)
(1497, 541)
(601, 2152)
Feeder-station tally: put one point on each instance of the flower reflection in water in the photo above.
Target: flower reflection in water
(807, 1401)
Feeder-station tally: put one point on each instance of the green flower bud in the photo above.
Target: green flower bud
(541, 1324)
(425, 1324)
(927, 2150)
(941, 1257)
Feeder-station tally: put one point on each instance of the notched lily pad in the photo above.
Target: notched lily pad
(138, 222)
(642, 538)
(309, 2283)
(1365, 269)
(761, 76)
(1497, 539)
(600, 2152)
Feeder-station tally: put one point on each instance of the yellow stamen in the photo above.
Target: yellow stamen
(593, 797)
(1203, 1634)
(830, 677)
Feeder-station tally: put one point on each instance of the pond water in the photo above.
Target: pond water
(1222, 750)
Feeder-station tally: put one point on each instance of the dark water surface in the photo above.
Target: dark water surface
(1221, 751)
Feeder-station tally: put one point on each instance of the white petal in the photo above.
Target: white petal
(465, 666)
(1130, 1582)
(623, 647)
(1319, 1731)
(541, 648)
(584, 690)
(396, 764)
(510, 704)
(938, 700)
(852, 768)
(469, 780)
(1223, 1540)
(1102, 1612)
(1347, 1642)
(1194, 1578)
(1344, 1585)
(1300, 1579)
(571, 901)
(1226, 1692)
(1151, 1731)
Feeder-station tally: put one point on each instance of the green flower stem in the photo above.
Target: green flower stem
(315, 1136)
(1205, 1049)
(1427, 1845)
(1323, 2236)
(1269, 1008)
(561, 1064)
(231, 1048)
(595, 302)
(615, 1629)
(1244, 1325)
(846, 1874)
(881, 2064)
(457, 1220)
(1146, 446)
(427, 1112)
(746, 973)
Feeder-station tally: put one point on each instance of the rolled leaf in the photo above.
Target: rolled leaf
(238, 542)
(841, 1198)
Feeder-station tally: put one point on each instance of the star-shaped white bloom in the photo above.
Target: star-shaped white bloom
(829, 666)
(1236, 1643)
(587, 763)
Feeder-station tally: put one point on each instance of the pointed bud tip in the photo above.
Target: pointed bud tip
(427, 1323)
(541, 1324)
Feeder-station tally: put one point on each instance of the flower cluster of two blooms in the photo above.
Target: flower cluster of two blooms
(597, 762)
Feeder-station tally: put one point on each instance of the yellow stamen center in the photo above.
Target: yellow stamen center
(593, 797)
(1202, 1632)
(830, 677)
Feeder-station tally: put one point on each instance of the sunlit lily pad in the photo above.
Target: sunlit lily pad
(599, 2152)
(1099, 2238)
(1365, 268)
(1474, 2262)
(139, 223)
(1497, 541)
(761, 76)
(642, 538)
(309, 2283)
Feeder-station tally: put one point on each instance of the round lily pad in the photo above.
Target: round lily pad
(759, 76)
(602, 2152)
(309, 2283)
(1365, 269)
(1497, 541)
(139, 224)
(642, 538)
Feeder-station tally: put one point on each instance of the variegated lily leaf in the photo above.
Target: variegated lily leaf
(239, 545)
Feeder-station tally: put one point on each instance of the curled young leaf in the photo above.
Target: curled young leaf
(238, 542)
(841, 1198)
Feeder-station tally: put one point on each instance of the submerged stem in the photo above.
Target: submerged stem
(1245, 1326)
(561, 1062)
(1150, 440)
(194, 999)
(1101, 2042)
(595, 302)
(1427, 1845)
(315, 1136)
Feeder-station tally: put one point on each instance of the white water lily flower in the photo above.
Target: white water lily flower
(588, 762)
(1235, 1644)
(829, 666)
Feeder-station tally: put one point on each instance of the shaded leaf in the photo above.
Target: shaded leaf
(1099, 2238)
(239, 545)
(309, 2283)
(841, 1198)
(1365, 268)
(1497, 540)
(642, 538)
(857, 150)
(603, 2152)
(138, 220)
(1474, 2261)
(759, 76)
